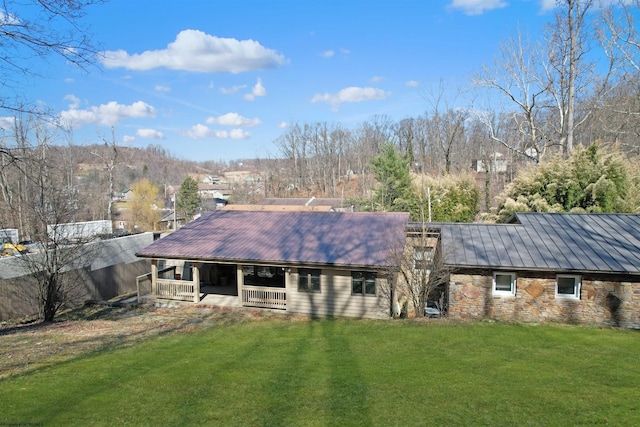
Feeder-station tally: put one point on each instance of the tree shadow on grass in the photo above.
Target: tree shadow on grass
(348, 388)
(28, 348)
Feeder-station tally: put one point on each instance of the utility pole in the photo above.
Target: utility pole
(175, 210)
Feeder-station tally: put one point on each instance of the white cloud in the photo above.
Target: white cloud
(74, 101)
(239, 134)
(478, 7)
(233, 119)
(149, 133)
(345, 51)
(548, 4)
(160, 88)
(327, 54)
(7, 123)
(128, 138)
(8, 19)
(258, 90)
(283, 125)
(234, 134)
(351, 94)
(211, 85)
(376, 79)
(231, 90)
(412, 83)
(106, 114)
(197, 51)
(199, 131)
(69, 80)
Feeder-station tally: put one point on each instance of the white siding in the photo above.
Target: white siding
(335, 298)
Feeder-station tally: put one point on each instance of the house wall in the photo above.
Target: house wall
(470, 297)
(335, 297)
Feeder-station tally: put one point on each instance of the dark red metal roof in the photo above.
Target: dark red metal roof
(334, 238)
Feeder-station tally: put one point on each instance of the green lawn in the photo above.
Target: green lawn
(283, 373)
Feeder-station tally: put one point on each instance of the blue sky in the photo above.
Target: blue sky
(213, 80)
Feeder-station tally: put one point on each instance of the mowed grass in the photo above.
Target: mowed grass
(339, 372)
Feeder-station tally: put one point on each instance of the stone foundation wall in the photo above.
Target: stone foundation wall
(470, 297)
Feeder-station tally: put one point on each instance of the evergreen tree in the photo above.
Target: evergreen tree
(188, 201)
(391, 170)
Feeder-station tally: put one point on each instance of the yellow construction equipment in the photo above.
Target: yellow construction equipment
(11, 249)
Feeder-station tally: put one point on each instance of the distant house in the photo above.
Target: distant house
(493, 165)
(169, 218)
(309, 263)
(123, 195)
(205, 190)
(573, 268)
(214, 191)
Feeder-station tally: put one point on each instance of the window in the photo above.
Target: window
(504, 284)
(263, 275)
(422, 257)
(363, 283)
(308, 280)
(568, 286)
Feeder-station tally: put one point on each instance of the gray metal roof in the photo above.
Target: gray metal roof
(548, 241)
(334, 238)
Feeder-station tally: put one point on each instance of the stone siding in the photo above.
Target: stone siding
(470, 297)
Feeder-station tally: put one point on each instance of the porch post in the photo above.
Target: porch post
(195, 271)
(240, 282)
(154, 277)
(287, 283)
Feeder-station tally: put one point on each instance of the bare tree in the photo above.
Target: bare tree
(417, 275)
(618, 111)
(40, 29)
(45, 202)
(109, 158)
(338, 166)
(517, 75)
(292, 147)
(446, 123)
(417, 265)
(619, 35)
(567, 70)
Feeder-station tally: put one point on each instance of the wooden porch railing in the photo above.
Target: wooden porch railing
(181, 290)
(264, 297)
(143, 282)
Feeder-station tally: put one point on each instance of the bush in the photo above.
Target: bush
(592, 179)
(454, 198)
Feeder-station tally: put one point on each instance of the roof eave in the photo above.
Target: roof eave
(268, 262)
(537, 269)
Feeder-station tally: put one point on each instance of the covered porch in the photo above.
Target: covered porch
(217, 284)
